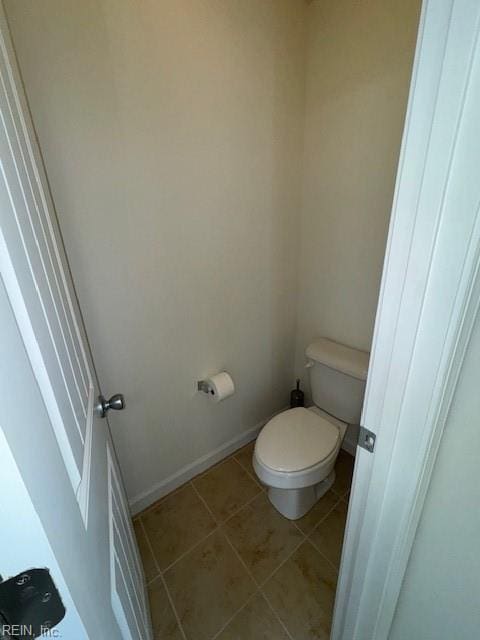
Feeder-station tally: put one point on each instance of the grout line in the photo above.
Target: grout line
(339, 494)
(323, 555)
(159, 577)
(217, 528)
(306, 537)
(248, 503)
(247, 470)
(298, 528)
(323, 518)
(258, 585)
(252, 477)
(185, 553)
(150, 548)
(155, 504)
(205, 504)
(256, 582)
(256, 592)
(249, 573)
(276, 615)
(214, 466)
(149, 582)
(241, 560)
(234, 513)
(165, 586)
(237, 555)
(294, 550)
(158, 502)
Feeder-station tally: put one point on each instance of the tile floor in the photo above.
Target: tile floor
(221, 563)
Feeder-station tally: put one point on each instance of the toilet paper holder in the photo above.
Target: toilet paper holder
(202, 385)
(217, 387)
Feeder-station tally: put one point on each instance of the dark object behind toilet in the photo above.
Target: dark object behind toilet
(297, 397)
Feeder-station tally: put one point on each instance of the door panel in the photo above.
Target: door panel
(126, 570)
(37, 287)
(71, 472)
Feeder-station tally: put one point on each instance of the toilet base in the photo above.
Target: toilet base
(295, 503)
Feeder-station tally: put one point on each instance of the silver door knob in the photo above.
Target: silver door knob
(116, 402)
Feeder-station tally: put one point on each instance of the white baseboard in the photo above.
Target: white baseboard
(146, 498)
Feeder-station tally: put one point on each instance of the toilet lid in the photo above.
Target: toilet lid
(295, 440)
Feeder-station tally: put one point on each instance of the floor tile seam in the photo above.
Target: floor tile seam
(277, 616)
(234, 513)
(183, 555)
(248, 472)
(244, 506)
(138, 516)
(165, 586)
(248, 572)
(324, 517)
(298, 528)
(242, 562)
(334, 567)
(174, 609)
(340, 494)
(150, 547)
(205, 504)
(257, 590)
(154, 579)
(284, 561)
(212, 467)
(218, 527)
(245, 604)
(186, 552)
(158, 502)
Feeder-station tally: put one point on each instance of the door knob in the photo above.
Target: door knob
(116, 402)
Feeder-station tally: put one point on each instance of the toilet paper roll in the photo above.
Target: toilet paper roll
(220, 386)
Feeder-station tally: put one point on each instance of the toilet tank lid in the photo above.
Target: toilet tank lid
(352, 362)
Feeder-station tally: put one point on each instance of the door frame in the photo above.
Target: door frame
(428, 301)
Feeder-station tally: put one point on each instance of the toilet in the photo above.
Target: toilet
(295, 452)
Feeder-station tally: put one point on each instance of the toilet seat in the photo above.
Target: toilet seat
(296, 449)
(295, 440)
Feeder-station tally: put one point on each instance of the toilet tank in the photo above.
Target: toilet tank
(337, 377)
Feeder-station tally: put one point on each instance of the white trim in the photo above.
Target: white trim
(429, 299)
(142, 625)
(83, 491)
(12, 287)
(143, 500)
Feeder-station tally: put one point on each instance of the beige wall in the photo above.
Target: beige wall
(171, 133)
(359, 58)
(440, 595)
(177, 142)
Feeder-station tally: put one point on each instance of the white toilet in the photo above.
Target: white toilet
(295, 452)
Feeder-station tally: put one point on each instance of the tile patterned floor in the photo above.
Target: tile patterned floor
(222, 564)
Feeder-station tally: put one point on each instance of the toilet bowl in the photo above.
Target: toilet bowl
(295, 456)
(295, 452)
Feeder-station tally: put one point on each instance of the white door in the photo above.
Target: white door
(63, 504)
(429, 299)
